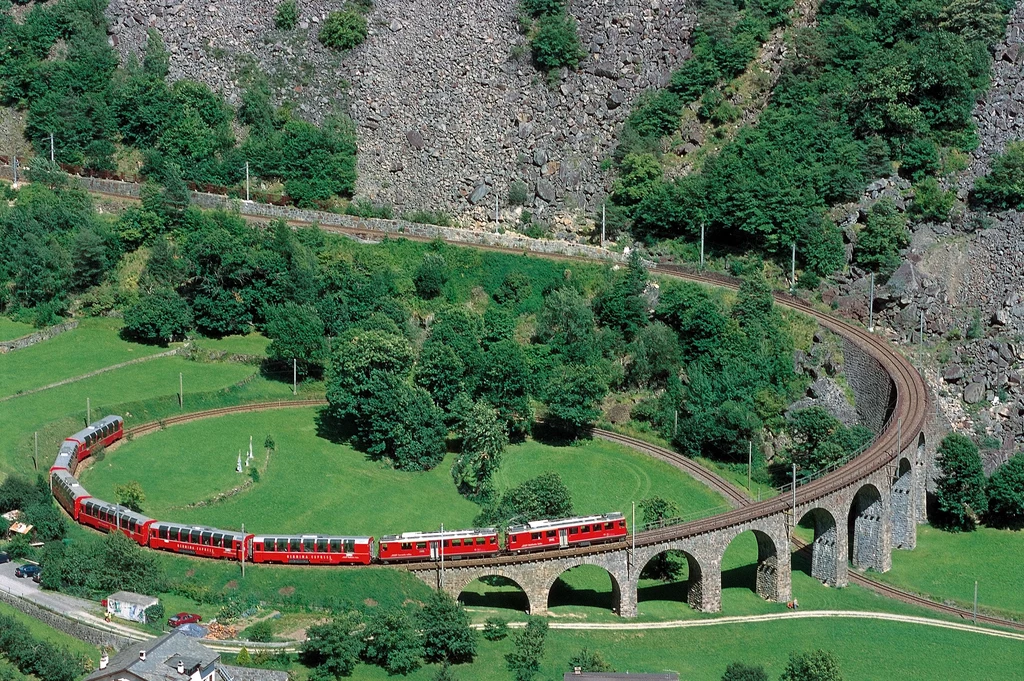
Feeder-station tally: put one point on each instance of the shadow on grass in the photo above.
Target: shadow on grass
(564, 594)
(495, 593)
(551, 434)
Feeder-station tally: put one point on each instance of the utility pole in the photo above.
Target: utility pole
(35, 456)
(246, 180)
(675, 427)
(792, 270)
(14, 165)
(750, 460)
(440, 546)
(243, 550)
(51, 147)
(295, 377)
(602, 224)
(871, 305)
(794, 496)
(702, 246)
(495, 211)
(899, 435)
(975, 601)
(634, 531)
(181, 391)
(88, 411)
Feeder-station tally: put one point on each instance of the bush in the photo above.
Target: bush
(261, 632)
(1006, 494)
(368, 209)
(960, 490)
(931, 203)
(1003, 187)
(495, 629)
(555, 43)
(879, 243)
(431, 276)
(344, 29)
(160, 317)
(287, 15)
(539, 8)
(518, 193)
(155, 614)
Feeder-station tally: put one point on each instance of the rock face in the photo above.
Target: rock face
(444, 94)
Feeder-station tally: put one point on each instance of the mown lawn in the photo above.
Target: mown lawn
(945, 566)
(10, 329)
(252, 344)
(93, 345)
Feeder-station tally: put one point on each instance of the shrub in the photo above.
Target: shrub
(344, 29)
(431, 276)
(879, 243)
(1006, 494)
(368, 209)
(931, 203)
(960, 490)
(428, 217)
(261, 632)
(555, 42)
(1003, 188)
(155, 613)
(287, 15)
(495, 629)
(518, 193)
(656, 115)
(159, 317)
(539, 8)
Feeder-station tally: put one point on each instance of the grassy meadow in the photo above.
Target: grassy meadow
(10, 329)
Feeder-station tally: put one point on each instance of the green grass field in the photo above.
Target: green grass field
(252, 344)
(93, 345)
(44, 632)
(945, 566)
(10, 329)
(193, 462)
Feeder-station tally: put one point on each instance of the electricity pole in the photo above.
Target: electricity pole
(975, 601)
(243, 550)
(51, 147)
(440, 546)
(181, 391)
(602, 224)
(702, 246)
(295, 377)
(246, 180)
(88, 411)
(35, 456)
(792, 270)
(14, 165)
(871, 305)
(794, 496)
(495, 211)
(750, 460)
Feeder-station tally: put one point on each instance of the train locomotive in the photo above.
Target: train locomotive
(308, 549)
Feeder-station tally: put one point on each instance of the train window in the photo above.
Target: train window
(282, 545)
(609, 526)
(321, 546)
(535, 535)
(406, 546)
(218, 540)
(574, 530)
(480, 541)
(335, 545)
(350, 546)
(421, 544)
(455, 542)
(131, 525)
(622, 523)
(551, 533)
(205, 537)
(195, 536)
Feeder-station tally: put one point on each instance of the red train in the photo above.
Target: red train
(210, 542)
(559, 534)
(412, 546)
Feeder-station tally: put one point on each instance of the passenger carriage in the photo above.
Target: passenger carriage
(68, 492)
(102, 433)
(208, 542)
(66, 457)
(108, 517)
(312, 549)
(565, 532)
(412, 546)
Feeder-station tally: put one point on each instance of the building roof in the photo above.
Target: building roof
(162, 657)
(605, 676)
(134, 598)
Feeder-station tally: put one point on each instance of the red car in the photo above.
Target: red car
(183, 618)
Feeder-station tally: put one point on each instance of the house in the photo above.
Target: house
(171, 657)
(130, 606)
(577, 675)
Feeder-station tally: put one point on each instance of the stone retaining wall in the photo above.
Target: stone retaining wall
(66, 625)
(37, 337)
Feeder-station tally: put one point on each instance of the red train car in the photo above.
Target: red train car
(102, 433)
(555, 534)
(68, 492)
(312, 549)
(208, 542)
(108, 517)
(411, 546)
(66, 457)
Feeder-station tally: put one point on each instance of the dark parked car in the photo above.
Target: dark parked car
(38, 577)
(27, 571)
(4, 558)
(183, 618)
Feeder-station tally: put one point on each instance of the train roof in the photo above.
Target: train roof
(71, 482)
(454, 534)
(63, 459)
(67, 448)
(94, 426)
(262, 537)
(120, 511)
(202, 528)
(565, 522)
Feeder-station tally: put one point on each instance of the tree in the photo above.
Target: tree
(665, 566)
(442, 373)
(334, 648)
(297, 332)
(125, 566)
(446, 634)
(818, 665)
(738, 671)
(90, 258)
(159, 317)
(1006, 494)
(344, 30)
(358, 357)
(130, 495)
(589, 661)
(654, 356)
(1003, 187)
(484, 439)
(156, 62)
(391, 642)
(555, 42)
(567, 322)
(821, 440)
(219, 312)
(495, 629)
(543, 497)
(527, 651)
(400, 422)
(573, 394)
(444, 673)
(514, 289)
(879, 243)
(505, 382)
(431, 276)
(960, 490)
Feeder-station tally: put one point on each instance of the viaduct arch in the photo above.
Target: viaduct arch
(860, 512)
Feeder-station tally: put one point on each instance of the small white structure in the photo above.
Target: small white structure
(130, 606)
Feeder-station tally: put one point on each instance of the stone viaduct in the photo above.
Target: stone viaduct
(860, 512)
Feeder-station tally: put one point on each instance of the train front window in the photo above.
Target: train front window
(406, 546)
(609, 526)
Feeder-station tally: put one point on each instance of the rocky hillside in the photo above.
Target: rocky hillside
(450, 110)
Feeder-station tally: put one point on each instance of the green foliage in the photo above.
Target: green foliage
(538, 8)
(1003, 187)
(656, 114)
(444, 626)
(573, 396)
(518, 193)
(400, 422)
(335, 647)
(37, 657)
(589, 661)
(344, 29)
(528, 650)
(654, 356)
(566, 322)
(555, 43)
(484, 439)
(820, 440)
(931, 202)
(495, 629)
(640, 175)
(738, 671)
(131, 496)
(960, 490)
(515, 288)
(367, 209)
(91, 568)
(1006, 494)
(297, 333)
(545, 496)
(261, 632)
(431, 276)
(287, 15)
(429, 217)
(159, 317)
(391, 641)
(818, 665)
(155, 614)
(879, 243)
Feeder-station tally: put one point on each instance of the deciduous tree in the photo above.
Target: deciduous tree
(446, 634)
(960, 490)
